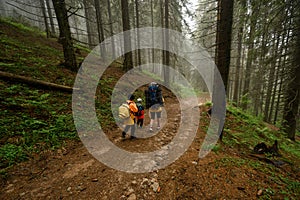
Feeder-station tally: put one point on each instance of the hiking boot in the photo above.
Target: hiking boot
(123, 135)
(132, 137)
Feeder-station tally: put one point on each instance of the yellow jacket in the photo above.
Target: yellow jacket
(132, 108)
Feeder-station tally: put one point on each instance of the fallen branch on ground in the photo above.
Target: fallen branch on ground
(34, 82)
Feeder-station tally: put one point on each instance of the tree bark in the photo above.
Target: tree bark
(45, 18)
(100, 28)
(223, 38)
(88, 24)
(128, 64)
(167, 40)
(152, 34)
(249, 58)
(138, 32)
(293, 89)
(53, 32)
(111, 29)
(65, 34)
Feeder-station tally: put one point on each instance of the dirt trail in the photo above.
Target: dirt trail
(73, 173)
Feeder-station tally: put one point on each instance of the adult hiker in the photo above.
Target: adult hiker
(154, 101)
(129, 122)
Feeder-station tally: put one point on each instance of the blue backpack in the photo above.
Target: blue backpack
(153, 95)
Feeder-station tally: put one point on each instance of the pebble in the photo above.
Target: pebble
(22, 194)
(69, 189)
(134, 182)
(259, 193)
(132, 197)
(145, 181)
(155, 187)
(129, 192)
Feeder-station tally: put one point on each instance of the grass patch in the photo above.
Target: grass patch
(246, 131)
(32, 122)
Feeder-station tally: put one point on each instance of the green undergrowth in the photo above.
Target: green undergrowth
(245, 131)
(32, 120)
(242, 132)
(26, 51)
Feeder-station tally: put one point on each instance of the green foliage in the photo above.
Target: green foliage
(21, 26)
(32, 122)
(252, 130)
(10, 154)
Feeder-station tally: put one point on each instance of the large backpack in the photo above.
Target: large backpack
(153, 95)
(124, 112)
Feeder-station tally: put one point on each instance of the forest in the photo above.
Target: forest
(46, 46)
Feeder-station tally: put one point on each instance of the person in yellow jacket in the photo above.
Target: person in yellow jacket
(129, 123)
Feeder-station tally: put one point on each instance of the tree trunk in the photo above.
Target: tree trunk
(152, 34)
(223, 38)
(100, 28)
(53, 32)
(128, 64)
(238, 67)
(88, 24)
(138, 32)
(293, 89)
(162, 25)
(111, 29)
(167, 40)
(65, 34)
(45, 18)
(249, 58)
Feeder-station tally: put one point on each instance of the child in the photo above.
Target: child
(141, 112)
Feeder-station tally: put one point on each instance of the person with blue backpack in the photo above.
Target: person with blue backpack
(154, 101)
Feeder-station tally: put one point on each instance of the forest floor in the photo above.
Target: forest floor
(37, 166)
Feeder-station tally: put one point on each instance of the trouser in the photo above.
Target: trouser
(140, 122)
(127, 127)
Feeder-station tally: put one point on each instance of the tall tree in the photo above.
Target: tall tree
(111, 28)
(65, 34)
(292, 101)
(42, 3)
(139, 62)
(86, 5)
(53, 32)
(250, 43)
(223, 40)
(167, 45)
(100, 28)
(128, 64)
(237, 85)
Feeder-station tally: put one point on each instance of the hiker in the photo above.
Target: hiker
(140, 114)
(129, 122)
(154, 101)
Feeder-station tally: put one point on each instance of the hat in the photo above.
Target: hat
(153, 83)
(139, 99)
(131, 97)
